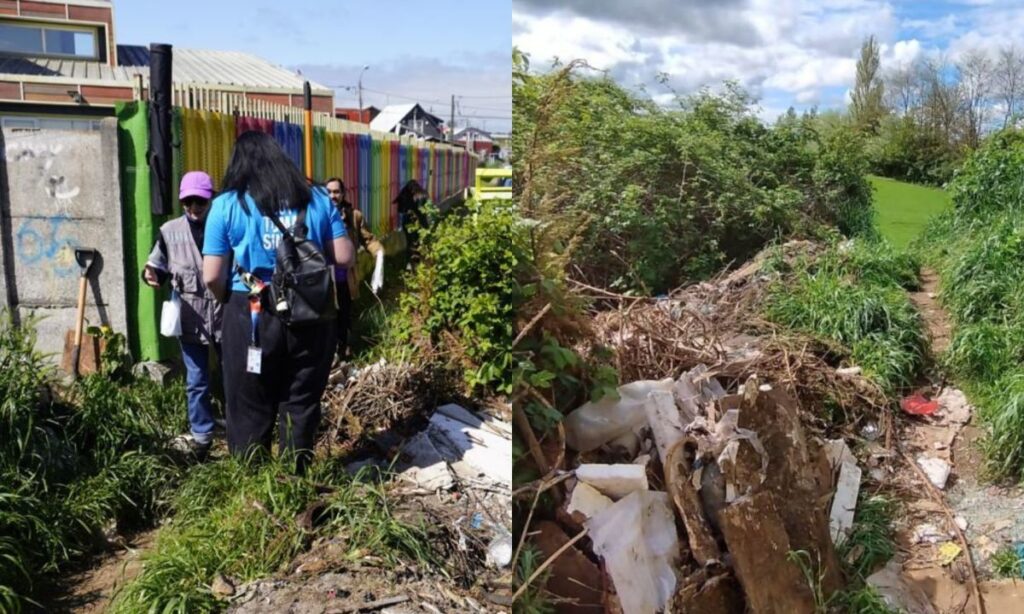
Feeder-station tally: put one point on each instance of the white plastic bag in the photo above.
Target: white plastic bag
(170, 316)
(592, 425)
(377, 281)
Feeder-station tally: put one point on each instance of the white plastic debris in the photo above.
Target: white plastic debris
(472, 445)
(665, 421)
(848, 371)
(847, 486)
(594, 424)
(936, 469)
(961, 522)
(927, 532)
(499, 551)
(587, 500)
(892, 586)
(614, 481)
(637, 539)
(729, 436)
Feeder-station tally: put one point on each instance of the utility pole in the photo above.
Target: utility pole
(451, 126)
(365, 68)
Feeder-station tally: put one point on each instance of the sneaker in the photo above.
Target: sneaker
(201, 450)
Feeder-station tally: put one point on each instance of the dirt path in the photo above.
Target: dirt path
(91, 590)
(991, 517)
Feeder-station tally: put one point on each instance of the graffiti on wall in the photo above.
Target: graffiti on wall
(44, 241)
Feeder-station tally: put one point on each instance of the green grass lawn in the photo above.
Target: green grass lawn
(903, 209)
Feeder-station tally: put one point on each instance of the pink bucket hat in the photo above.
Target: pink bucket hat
(196, 183)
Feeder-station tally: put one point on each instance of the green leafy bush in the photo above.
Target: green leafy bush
(666, 196)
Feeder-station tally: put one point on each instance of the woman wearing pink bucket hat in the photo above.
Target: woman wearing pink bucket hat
(177, 257)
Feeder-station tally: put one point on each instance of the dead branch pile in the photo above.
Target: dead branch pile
(718, 323)
(380, 397)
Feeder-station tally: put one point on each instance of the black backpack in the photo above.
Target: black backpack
(302, 287)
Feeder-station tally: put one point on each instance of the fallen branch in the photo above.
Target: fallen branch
(937, 498)
(531, 324)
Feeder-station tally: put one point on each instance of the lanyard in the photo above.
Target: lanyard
(254, 314)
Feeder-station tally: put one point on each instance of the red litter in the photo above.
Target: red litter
(918, 405)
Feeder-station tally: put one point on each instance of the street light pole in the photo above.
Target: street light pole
(365, 68)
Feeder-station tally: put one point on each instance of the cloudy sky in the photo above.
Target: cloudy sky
(422, 53)
(786, 52)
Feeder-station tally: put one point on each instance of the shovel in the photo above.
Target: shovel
(85, 257)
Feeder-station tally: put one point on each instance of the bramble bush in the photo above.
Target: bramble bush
(662, 197)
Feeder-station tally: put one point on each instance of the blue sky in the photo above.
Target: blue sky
(422, 52)
(799, 53)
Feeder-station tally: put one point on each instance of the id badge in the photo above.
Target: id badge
(254, 360)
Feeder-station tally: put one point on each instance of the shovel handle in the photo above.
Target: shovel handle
(79, 322)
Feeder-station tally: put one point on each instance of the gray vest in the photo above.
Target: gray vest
(200, 312)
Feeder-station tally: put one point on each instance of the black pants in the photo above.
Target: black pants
(288, 389)
(344, 314)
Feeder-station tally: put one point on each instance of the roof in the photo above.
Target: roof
(192, 66)
(393, 114)
(462, 133)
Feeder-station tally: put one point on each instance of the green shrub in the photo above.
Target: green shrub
(661, 196)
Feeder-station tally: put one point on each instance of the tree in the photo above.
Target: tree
(1009, 81)
(975, 68)
(868, 106)
(902, 89)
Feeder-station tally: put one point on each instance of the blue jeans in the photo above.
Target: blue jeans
(197, 383)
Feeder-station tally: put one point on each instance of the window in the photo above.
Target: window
(17, 123)
(59, 41)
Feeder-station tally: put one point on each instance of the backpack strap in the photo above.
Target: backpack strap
(300, 222)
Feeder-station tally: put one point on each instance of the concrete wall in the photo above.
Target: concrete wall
(60, 190)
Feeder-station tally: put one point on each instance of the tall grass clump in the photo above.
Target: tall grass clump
(977, 248)
(853, 296)
(73, 461)
(239, 520)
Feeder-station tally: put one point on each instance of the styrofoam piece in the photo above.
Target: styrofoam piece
(614, 481)
(936, 469)
(844, 501)
(665, 421)
(587, 500)
(636, 537)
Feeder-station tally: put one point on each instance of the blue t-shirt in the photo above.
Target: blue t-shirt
(253, 238)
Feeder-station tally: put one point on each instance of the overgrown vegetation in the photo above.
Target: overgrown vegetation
(239, 521)
(977, 247)
(659, 197)
(854, 296)
(71, 466)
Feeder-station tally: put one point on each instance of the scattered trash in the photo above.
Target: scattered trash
(846, 487)
(636, 537)
(936, 469)
(499, 550)
(848, 371)
(918, 405)
(586, 501)
(927, 532)
(477, 521)
(870, 431)
(948, 552)
(614, 481)
(961, 522)
(594, 424)
(900, 595)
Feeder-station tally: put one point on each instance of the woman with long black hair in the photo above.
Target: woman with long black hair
(272, 371)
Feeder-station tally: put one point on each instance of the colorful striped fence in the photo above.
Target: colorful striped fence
(373, 166)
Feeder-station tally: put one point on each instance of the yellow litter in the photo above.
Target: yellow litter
(948, 553)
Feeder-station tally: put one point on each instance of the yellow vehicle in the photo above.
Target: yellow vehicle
(493, 183)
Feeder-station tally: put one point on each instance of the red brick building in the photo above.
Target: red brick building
(60, 65)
